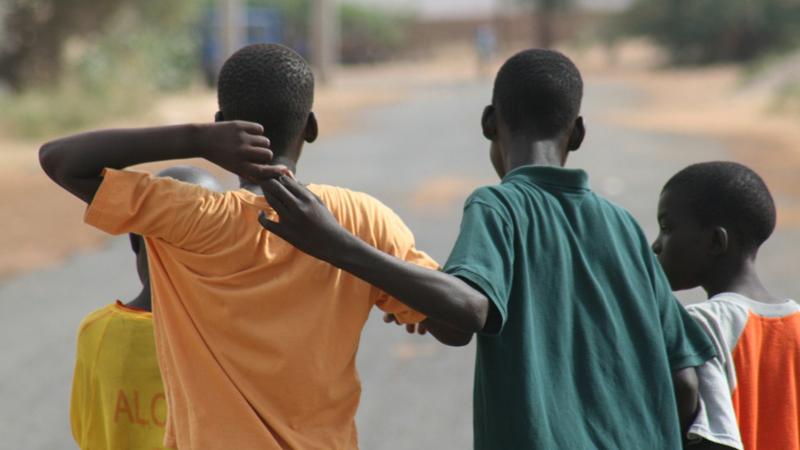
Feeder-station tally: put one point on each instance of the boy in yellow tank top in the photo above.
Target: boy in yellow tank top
(118, 399)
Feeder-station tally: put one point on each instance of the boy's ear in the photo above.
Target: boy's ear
(312, 128)
(719, 241)
(489, 123)
(577, 135)
(218, 117)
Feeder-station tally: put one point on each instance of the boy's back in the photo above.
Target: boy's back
(759, 364)
(117, 394)
(273, 331)
(583, 304)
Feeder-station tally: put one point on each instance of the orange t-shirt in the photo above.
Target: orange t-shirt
(256, 340)
(755, 380)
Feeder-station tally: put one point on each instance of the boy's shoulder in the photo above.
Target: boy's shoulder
(96, 317)
(362, 213)
(97, 321)
(341, 199)
(93, 327)
(722, 317)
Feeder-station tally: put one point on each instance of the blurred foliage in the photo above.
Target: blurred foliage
(367, 33)
(543, 19)
(370, 34)
(711, 31)
(787, 98)
(90, 65)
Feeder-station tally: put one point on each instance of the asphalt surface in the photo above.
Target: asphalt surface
(422, 157)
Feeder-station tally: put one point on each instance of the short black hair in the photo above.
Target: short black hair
(727, 194)
(538, 91)
(269, 84)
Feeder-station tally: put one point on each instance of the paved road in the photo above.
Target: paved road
(421, 157)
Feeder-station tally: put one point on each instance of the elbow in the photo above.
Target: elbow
(453, 338)
(49, 160)
(478, 314)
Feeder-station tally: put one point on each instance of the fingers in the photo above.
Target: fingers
(258, 155)
(259, 173)
(297, 189)
(269, 225)
(258, 141)
(275, 190)
(250, 127)
(389, 318)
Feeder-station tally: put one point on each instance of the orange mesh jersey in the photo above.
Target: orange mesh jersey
(256, 340)
(755, 381)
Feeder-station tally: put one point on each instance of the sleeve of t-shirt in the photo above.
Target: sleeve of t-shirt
(716, 418)
(484, 253)
(382, 228)
(182, 214)
(687, 344)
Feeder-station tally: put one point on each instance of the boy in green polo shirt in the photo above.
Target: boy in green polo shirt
(581, 344)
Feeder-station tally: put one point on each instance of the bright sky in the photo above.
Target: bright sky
(467, 8)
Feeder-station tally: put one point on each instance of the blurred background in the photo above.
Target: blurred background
(401, 86)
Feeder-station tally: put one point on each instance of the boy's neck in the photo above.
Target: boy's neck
(526, 151)
(741, 278)
(143, 300)
(288, 161)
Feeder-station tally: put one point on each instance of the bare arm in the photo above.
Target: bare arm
(308, 225)
(446, 334)
(687, 394)
(76, 162)
(443, 333)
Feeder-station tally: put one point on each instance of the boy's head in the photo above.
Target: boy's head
(272, 85)
(188, 174)
(709, 215)
(537, 96)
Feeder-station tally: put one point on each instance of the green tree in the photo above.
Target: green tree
(709, 31)
(36, 32)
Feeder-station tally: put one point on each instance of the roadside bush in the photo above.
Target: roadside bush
(113, 71)
(710, 31)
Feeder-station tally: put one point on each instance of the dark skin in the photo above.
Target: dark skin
(76, 162)
(705, 255)
(142, 301)
(286, 157)
(710, 256)
(455, 309)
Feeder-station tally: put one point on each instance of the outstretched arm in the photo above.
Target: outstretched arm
(76, 162)
(308, 225)
(443, 333)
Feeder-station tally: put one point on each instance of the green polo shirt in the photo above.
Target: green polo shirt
(590, 331)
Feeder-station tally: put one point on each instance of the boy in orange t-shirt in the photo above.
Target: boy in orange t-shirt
(256, 340)
(117, 394)
(713, 219)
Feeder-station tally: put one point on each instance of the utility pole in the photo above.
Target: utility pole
(230, 17)
(324, 38)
